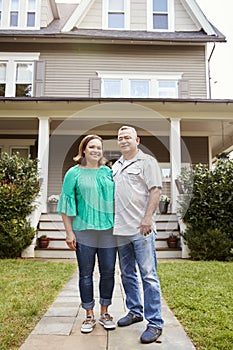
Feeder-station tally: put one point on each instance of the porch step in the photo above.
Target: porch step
(52, 226)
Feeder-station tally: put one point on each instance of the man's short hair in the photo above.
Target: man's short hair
(125, 127)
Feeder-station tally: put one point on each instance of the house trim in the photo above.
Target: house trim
(78, 15)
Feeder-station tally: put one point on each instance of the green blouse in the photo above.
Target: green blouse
(88, 197)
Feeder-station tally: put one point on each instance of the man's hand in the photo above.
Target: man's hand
(146, 226)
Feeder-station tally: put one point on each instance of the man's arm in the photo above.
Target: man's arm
(153, 202)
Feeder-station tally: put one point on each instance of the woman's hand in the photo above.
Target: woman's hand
(71, 240)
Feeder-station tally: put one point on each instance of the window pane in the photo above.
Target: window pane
(160, 5)
(2, 89)
(24, 72)
(168, 88)
(2, 72)
(14, 19)
(23, 90)
(116, 5)
(31, 5)
(31, 19)
(14, 5)
(22, 152)
(116, 20)
(160, 22)
(112, 88)
(139, 88)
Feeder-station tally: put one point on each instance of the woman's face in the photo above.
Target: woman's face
(93, 150)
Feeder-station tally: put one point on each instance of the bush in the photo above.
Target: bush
(19, 187)
(207, 209)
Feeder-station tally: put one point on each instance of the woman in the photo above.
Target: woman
(86, 205)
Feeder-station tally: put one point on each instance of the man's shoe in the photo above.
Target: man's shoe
(150, 335)
(107, 322)
(129, 319)
(88, 324)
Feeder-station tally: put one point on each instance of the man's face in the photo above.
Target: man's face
(127, 142)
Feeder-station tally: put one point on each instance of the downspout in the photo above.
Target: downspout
(209, 77)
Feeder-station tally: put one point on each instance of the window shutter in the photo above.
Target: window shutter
(95, 87)
(39, 78)
(183, 88)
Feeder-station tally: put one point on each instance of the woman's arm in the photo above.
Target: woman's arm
(70, 236)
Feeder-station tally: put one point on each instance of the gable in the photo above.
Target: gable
(184, 16)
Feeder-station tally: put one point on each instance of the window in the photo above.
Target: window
(2, 78)
(22, 152)
(14, 13)
(168, 88)
(20, 14)
(160, 14)
(116, 14)
(0, 12)
(31, 14)
(141, 85)
(16, 74)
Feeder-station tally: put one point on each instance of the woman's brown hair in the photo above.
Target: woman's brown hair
(80, 158)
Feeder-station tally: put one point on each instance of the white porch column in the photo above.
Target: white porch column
(43, 156)
(175, 159)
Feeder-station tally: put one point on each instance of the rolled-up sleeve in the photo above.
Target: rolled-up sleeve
(67, 203)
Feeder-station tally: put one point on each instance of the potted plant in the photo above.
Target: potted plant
(43, 241)
(163, 204)
(172, 240)
(52, 201)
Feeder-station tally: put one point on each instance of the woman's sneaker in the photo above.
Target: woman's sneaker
(88, 324)
(107, 321)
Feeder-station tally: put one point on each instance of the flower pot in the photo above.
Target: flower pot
(172, 242)
(43, 242)
(163, 207)
(52, 207)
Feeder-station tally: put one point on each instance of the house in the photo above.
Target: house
(71, 69)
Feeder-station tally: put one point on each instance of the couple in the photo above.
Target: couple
(94, 227)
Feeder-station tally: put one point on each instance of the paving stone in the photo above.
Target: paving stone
(54, 325)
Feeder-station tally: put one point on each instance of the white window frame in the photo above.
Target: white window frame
(23, 10)
(11, 60)
(126, 15)
(171, 17)
(126, 78)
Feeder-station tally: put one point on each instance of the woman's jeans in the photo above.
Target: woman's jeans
(141, 250)
(86, 257)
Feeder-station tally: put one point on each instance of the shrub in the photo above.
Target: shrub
(19, 187)
(207, 208)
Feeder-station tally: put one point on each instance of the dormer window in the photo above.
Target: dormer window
(19, 14)
(116, 14)
(160, 15)
(31, 13)
(14, 13)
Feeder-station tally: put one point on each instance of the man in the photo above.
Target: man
(138, 185)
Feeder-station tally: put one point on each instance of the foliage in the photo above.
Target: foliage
(19, 187)
(207, 209)
(21, 304)
(164, 198)
(53, 198)
(200, 295)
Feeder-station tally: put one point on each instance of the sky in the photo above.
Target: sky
(218, 13)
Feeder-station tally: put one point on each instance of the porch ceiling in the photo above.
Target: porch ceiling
(212, 118)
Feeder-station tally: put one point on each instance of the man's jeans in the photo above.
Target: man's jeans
(141, 249)
(86, 261)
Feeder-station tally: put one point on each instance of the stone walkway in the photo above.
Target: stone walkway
(59, 329)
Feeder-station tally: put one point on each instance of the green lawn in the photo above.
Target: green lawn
(201, 296)
(27, 289)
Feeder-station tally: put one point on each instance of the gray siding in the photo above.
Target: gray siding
(93, 19)
(138, 15)
(68, 71)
